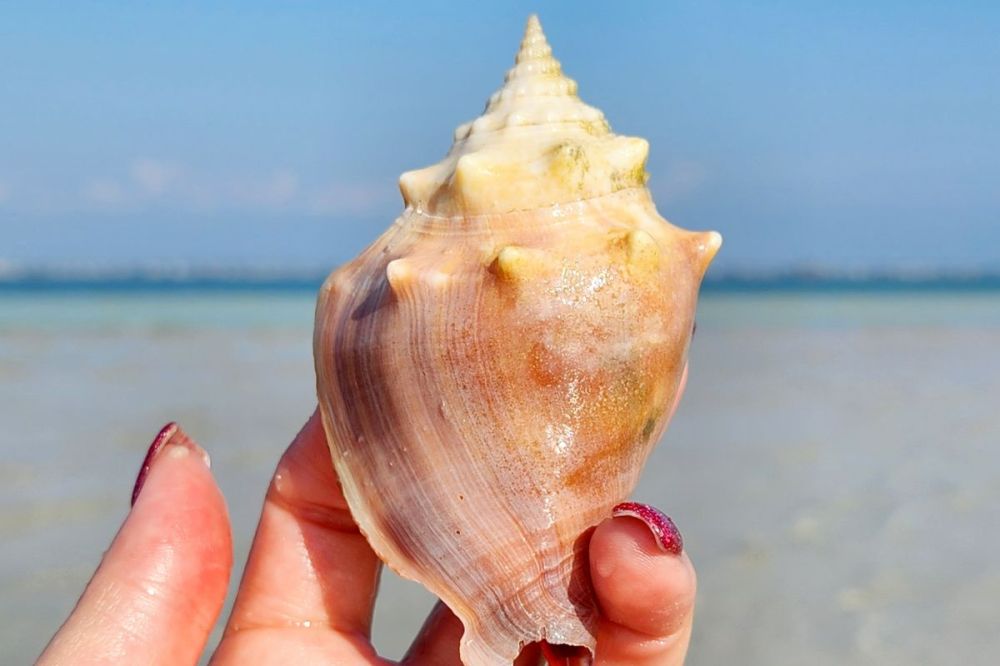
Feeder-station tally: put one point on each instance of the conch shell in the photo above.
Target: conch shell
(494, 370)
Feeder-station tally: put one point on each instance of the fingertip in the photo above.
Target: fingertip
(305, 474)
(639, 585)
(176, 544)
(162, 582)
(180, 506)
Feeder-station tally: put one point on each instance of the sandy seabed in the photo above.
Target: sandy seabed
(834, 466)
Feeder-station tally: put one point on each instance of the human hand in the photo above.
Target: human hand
(308, 590)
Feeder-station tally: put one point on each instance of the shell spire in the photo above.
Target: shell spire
(535, 145)
(534, 46)
(535, 72)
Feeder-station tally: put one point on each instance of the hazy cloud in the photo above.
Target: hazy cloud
(277, 190)
(281, 187)
(153, 177)
(350, 198)
(680, 179)
(105, 193)
(148, 182)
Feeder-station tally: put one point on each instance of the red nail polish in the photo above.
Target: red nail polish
(668, 537)
(162, 437)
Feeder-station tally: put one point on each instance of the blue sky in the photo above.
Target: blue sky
(849, 134)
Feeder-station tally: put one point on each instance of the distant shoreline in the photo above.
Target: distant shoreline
(868, 282)
(249, 282)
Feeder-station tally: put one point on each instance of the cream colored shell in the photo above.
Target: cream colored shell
(535, 145)
(494, 370)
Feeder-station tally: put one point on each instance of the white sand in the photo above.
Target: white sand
(834, 466)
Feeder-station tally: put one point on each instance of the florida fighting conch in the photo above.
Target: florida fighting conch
(494, 370)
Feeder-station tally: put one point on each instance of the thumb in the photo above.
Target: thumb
(160, 586)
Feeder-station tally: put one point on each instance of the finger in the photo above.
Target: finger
(438, 640)
(310, 581)
(680, 392)
(160, 586)
(645, 587)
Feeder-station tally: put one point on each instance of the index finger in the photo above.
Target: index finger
(161, 584)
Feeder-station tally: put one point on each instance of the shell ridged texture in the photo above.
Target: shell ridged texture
(494, 370)
(536, 144)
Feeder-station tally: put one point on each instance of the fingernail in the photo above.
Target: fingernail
(170, 437)
(667, 536)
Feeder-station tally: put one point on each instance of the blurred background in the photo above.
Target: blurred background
(176, 180)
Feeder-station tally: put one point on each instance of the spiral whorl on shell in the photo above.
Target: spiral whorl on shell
(535, 145)
(494, 370)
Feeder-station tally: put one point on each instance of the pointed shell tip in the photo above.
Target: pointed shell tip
(707, 247)
(515, 263)
(713, 242)
(532, 25)
(643, 251)
(399, 274)
(534, 45)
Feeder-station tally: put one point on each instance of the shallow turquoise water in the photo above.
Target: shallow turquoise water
(278, 310)
(833, 465)
(155, 311)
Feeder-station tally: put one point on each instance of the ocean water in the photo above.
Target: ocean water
(834, 465)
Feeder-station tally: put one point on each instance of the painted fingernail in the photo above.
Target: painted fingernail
(667, 536)
(170, 436)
